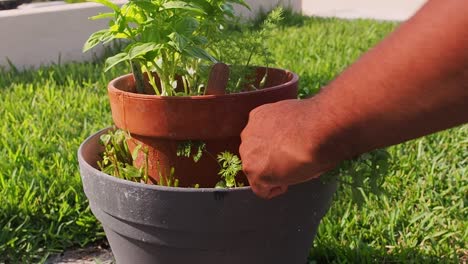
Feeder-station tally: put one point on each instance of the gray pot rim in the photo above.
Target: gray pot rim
(143, 185)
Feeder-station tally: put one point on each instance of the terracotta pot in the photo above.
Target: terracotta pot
(161, 123)
(149, 224)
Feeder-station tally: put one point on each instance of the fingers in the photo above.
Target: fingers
(267, 191)
(277, 190)
(263, 186)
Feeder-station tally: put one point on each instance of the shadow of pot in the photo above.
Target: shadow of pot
(155, 224)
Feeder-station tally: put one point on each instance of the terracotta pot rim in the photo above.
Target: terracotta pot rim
(112, 88)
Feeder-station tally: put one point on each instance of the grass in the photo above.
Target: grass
(421, 219)
(47, 113)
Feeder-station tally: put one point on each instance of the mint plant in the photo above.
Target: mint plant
(169, 38)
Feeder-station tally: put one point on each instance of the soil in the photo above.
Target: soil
(98, 253)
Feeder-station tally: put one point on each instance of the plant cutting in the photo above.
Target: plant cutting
(180, 113)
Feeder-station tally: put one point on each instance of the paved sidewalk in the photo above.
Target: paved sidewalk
(397, 10)
(350, 9)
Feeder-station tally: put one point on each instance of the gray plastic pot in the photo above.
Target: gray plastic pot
(154, 224)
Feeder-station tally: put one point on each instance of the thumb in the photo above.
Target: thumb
(277, 190)
(267, 191)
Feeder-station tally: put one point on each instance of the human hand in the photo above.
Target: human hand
(286, 143)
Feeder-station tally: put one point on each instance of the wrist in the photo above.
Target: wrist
(341, 139)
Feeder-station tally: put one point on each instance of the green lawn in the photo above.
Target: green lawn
(46, 113)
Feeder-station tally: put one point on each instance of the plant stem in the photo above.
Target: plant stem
(145, 151)
(138, 75)
(151, 80)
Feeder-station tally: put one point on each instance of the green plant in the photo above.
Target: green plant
(231, 165)
(244, 46)
(167, 179)
(186, 149)
(365, 174)
(170, 38)
(74, 1)
(117, 159)
(119, 162)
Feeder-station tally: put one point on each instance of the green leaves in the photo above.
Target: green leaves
(117, 159)
(137, 51)
(140, 50)
(182, 5)
(365, 174)
(102, 16)
(240, 2)
(114, 60)
(107, 3)
(185, 149)
(231, 165)
(96, 38)
(171, 38)
(199, 53)
(186, 26)
(178, 42)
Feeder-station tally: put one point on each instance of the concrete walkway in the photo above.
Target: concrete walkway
(397, 10)
(350, 9)
(55, 32)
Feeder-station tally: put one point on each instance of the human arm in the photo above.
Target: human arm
(413, 83)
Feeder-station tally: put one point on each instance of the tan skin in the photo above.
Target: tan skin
(415, 82)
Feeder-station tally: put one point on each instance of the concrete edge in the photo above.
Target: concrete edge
(41, 35)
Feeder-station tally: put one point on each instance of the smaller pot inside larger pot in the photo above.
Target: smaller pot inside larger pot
(160, 123)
